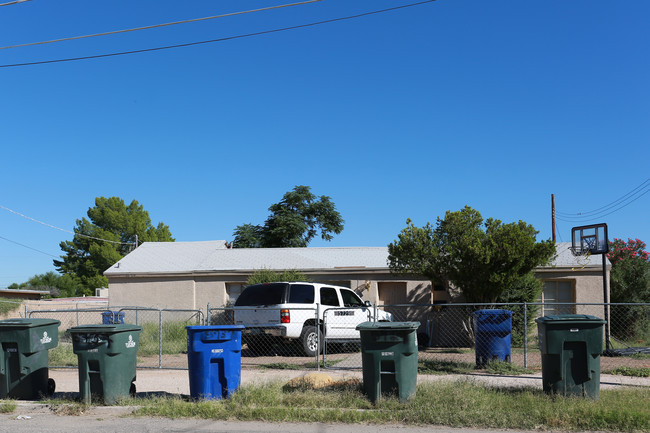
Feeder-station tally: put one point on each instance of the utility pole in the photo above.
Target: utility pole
(553, 215)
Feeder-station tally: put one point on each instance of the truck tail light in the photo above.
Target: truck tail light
(284, 316)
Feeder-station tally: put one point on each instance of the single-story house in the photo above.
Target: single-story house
(20, 294)
(191, 275)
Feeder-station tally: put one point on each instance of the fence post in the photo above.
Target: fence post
(207, 320)
(319, 343)
(525, 335)
(160, 338)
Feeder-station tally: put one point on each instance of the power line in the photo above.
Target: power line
(601, 215)
(189, 44)
(63, 230)
(13, 2)
(34, 249)
(157, 25)
(605, 208)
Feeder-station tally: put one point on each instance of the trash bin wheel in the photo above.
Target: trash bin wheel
(312, 340)
(51, 386)
(132, 390)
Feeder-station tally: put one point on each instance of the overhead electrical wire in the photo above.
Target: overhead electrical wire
(13, 2)
(603, 211)
(26, 246)
(64, 230)
(227, 38)
(157, 25)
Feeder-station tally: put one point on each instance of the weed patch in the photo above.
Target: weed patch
(432, 366)
(456, 404)
(505, 368)
(631, 371)
(8, 406)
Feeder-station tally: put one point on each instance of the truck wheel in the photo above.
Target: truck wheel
(312, 340)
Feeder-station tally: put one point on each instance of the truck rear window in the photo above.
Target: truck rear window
(262, 294)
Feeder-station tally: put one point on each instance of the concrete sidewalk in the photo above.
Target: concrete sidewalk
(177, 381)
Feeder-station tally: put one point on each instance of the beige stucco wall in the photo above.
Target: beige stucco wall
(178, 292)
(197, 291)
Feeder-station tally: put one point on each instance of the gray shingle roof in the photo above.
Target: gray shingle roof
(206, 256)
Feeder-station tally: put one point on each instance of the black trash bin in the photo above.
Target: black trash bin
(570, 346)
(492, 332)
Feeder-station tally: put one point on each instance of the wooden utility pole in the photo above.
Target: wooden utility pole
(553, 215)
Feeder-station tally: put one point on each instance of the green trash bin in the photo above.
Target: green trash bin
(107, 360)
(389, 354)
(23, 359)
(570, 346)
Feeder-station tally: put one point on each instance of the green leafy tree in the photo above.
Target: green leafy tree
(58, 285)
(630, 273)
(269, 276)
(629, 283)
(294, 222)
(109, 233)
(484, 259)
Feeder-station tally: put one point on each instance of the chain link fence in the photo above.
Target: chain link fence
(446, 334)
(163, 340)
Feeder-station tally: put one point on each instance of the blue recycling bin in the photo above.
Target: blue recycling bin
(113, 318)
(492, 332)
(214, 360)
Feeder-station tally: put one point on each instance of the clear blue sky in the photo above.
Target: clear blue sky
(409, 113)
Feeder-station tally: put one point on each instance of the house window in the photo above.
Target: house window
(556, 293)
(233, 291)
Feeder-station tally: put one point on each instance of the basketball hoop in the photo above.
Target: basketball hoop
(577, 251)
(582, 256)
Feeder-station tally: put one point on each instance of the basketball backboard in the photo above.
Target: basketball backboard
(590, 239)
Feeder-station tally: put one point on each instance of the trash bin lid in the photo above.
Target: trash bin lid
(105, 329)
(27, 323)
(215, 328)
(569, 318)
(493, 312)
(387, 326)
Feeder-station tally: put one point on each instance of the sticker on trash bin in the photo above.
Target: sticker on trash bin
(573, 330)
(130, 344)
(46, 338)
(217, 350)
(387, 353)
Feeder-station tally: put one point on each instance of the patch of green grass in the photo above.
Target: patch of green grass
(8, 406)
(303, 366)
(174, 338)
(631, 371)
(7, 306)
(456, 404)
(433, 366)
(505, 368)
(62, 356)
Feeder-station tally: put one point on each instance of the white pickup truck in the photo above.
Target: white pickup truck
(287, 311)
